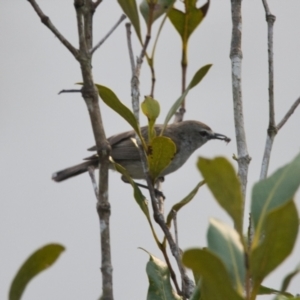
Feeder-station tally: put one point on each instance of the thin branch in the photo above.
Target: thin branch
(175, 227)
(123, 17)
(151, 59)
(89, 92)
(158, 217)
(172, 273)
(236, 69)
(91, 170)
(160, 199)
(272, 131)
(135, 90)
(96, 3)
(288, 114)
(47, 22)
(79, 7)
(270, 140)
(131, 56)
(88, 23)
(69, 91)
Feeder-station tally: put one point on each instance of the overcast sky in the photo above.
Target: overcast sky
(41, 132)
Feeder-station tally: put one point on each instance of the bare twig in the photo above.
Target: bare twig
(96, 3)
(236, 67)
(123, 17)
(158, 217)
(91, 170)
(131, 56)
(69, 91)
(160, 200)
(135, 91)
(236, 56)
(79, 6)
(288, 114)
(272, 131)
(151, 59)
(88, 23)
(47, 22)
(84, 13)
(174, 212)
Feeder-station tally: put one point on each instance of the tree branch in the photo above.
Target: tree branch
(123, 17)
(84, 13)
(288, 114)
(47, 22)
(79, 7)
(236, 69)
(272, 131)
(96, 3)
(158, 216)
(91, 171)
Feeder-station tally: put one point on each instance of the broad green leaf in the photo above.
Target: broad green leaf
(161, 151)
(225, 242)
(160, 8)
(263, 290)
(223, 182)
(176, 207)
(288, 278)
(160, 287)
(186, 22)
(272, 193)
(215, 282)
(111, 100)
(196, 79)
(130, 9)
(37, 262)
(151, 110)
(279, 235)
(138, 196)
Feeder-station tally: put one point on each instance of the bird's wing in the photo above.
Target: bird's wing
(122, 147)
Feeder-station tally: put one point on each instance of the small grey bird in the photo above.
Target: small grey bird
(188, 136)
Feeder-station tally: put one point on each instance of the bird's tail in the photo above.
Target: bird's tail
(73, 171)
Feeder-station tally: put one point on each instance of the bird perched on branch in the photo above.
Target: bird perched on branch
(188, 136)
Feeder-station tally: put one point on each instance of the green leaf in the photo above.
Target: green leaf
(273, 192)
(196, 79)
(215, 282)
(37, 262)
(130, 9)
(160, 8)
(199, 75)
(176, 207)
(225, 242)
(161, 151)
(263, 290)
(279, 235)
(160, 287)
(186, 22)
(151, 110)
(223, 182)
(111, 100)
(288, 278)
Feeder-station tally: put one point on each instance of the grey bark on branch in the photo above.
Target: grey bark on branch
(157, 207)
(273, 128)
(84, 14)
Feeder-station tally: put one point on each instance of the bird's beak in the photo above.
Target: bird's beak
(219, 136)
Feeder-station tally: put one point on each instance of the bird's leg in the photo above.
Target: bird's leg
(157, 192)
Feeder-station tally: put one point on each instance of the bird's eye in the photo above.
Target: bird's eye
(203, 133)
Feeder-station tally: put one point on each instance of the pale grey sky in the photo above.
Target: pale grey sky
(41, 132)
